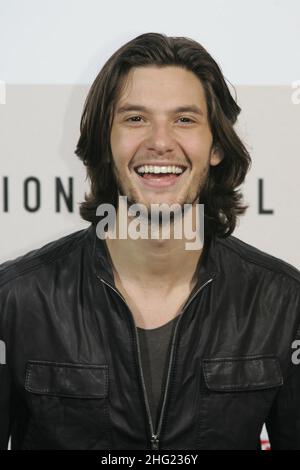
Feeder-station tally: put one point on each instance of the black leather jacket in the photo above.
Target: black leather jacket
(73, 377)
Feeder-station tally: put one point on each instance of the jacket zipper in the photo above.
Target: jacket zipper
(155, 436)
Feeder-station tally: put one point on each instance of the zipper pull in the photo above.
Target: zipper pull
(154, 442)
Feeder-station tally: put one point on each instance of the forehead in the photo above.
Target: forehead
(162, 85)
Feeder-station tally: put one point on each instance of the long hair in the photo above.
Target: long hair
(220, 195)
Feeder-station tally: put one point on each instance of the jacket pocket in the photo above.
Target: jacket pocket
(68, 403)
(236, 396)
(242, 373)
(67, 380)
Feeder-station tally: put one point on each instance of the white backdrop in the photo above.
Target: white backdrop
(51, 51)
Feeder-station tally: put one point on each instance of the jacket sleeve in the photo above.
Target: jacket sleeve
(5, 408)
(5, 384)
(283, 421)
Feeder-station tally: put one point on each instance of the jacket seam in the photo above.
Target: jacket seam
(261, 264)
(254, 357)
(42, 263)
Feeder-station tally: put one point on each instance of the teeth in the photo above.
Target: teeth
(159, 169)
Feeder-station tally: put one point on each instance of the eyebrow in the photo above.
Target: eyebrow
(180, 109)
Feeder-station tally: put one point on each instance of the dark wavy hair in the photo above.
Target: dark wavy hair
(222, 199)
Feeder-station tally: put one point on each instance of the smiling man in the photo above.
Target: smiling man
(162, 150)
(138, 343)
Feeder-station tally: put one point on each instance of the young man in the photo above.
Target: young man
(140, 343)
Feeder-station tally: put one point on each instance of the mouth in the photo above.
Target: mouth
(158, 176)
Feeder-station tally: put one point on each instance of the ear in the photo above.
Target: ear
(216, 155)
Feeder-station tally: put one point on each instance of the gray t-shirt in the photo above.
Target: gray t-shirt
(155, 354)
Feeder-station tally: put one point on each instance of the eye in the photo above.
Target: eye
(187, 119)
(134, 119)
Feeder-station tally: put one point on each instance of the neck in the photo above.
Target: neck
(156, 263)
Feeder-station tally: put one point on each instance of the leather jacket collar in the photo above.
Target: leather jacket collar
(101, 262)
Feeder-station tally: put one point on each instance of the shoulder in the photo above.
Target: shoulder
(32, 262)
(242, 254)
(268, 287)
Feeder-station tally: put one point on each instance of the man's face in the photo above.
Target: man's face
(160, 138)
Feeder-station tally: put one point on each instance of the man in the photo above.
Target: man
(140, 343)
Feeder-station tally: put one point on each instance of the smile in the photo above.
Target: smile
(157, 176)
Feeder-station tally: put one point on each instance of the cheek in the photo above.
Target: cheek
(197, 148)
(123, 146)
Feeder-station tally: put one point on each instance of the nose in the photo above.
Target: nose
(160, 139)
